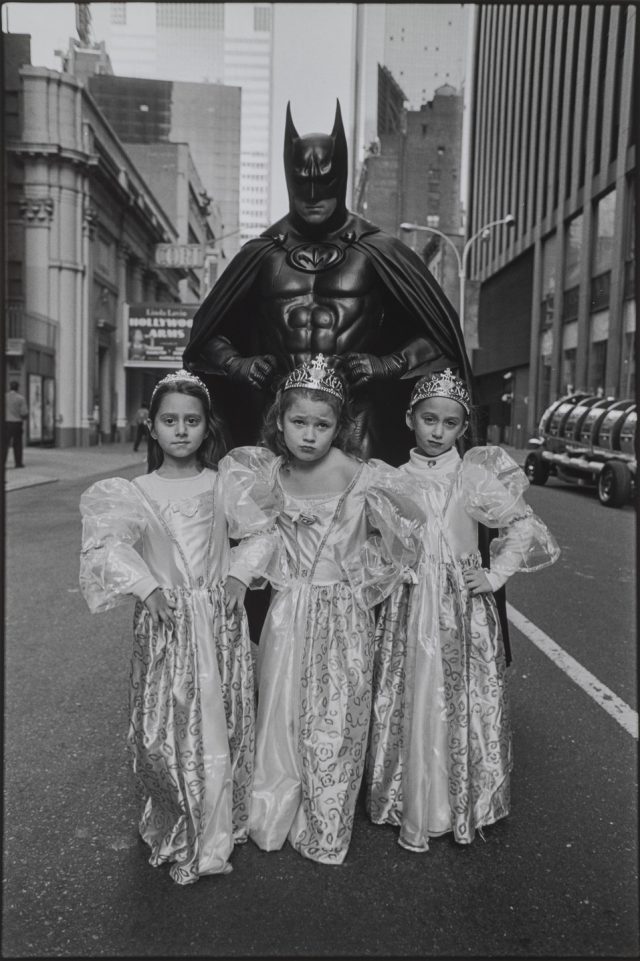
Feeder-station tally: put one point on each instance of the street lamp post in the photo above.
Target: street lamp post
(509, 220)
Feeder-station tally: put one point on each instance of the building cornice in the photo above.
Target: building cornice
(51, 153)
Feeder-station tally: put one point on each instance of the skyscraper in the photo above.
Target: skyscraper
(222, 43)
(247, 64)
(553, 143)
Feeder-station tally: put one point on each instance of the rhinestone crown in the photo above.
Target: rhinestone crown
(181, 377)
(315, 375)
(442, 384)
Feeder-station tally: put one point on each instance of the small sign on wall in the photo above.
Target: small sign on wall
(180, 255)
(35, 409)
(15, 347)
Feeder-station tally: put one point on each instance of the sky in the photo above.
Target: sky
(50, 25)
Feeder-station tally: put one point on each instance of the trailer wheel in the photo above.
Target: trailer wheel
(536, 468)
(614, 484)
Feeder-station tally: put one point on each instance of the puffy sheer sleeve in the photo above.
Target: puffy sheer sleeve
(111, 569)
(493, 486)
(252, 503)
(396, 516)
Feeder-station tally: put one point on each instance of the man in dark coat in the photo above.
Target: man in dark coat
(324, 280)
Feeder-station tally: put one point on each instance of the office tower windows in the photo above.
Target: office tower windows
(203, 16)
(118, 13)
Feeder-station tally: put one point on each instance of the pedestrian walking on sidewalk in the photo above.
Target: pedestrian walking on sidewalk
(15, 414)
(191, 730)
(142, 416)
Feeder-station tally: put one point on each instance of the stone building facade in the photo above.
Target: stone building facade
(82, 224)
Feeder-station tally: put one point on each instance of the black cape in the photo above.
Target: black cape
(414, 305)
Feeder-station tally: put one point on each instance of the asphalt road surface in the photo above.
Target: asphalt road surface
(557, 879)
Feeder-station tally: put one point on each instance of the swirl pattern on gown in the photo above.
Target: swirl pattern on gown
(384, 761)
(181, 747)
(334, 711)
(478, 725)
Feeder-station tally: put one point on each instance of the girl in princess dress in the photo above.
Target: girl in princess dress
(349, 532)
(439, 757)
(192, 723)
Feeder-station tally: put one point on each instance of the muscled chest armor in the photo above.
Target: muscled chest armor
(318, 297)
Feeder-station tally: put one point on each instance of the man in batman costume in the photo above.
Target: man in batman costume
(324, 280)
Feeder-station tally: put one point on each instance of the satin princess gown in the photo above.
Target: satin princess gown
(440, 753)
(192, 717)
(339, 554)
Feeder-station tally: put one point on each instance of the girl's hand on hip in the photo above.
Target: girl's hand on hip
(476, 581)
(236, 591)
(160, 608)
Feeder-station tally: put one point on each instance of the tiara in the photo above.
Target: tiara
(315, 375)
(442, 384)
(181, 377)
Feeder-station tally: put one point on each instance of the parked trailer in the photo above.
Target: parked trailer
(589, 441)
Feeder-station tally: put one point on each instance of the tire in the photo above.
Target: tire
(536, 468)
(614, 484)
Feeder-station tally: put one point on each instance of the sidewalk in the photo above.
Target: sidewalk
(45, 465)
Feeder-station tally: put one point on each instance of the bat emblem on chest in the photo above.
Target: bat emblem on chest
(312, 258)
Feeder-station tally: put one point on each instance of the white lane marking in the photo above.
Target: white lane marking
(606, 699)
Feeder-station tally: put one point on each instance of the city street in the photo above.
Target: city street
(557, 879)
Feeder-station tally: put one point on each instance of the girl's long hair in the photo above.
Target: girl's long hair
(214, 445)
(347, 438)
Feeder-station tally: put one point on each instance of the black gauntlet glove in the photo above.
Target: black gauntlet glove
(361, 369)
(256, 371)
